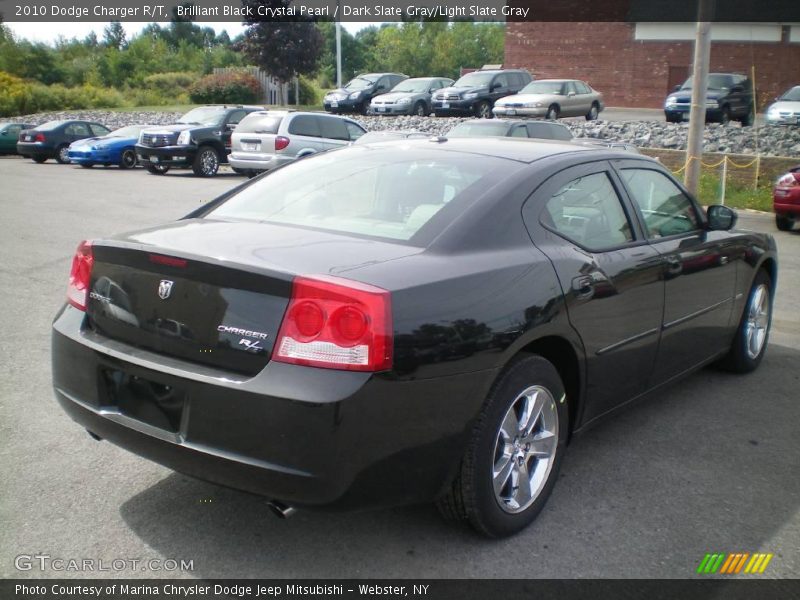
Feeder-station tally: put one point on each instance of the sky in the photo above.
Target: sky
(49, 32)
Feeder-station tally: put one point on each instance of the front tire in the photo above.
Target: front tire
(157, 169)
(725, 115)
(206, 162)
(783, 223)
(514, 455)
(62, 154)
(483, 110)
(752, 335)
(552, 113)
(419, 109)
(128, 159)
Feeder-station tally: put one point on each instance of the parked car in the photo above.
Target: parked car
(409, 97)
(52, 139)
(475, 93)
(729, 97)
(357, 93)
(511, 128)
(116, 148)
(407, 321)
(551, 99)
(786, 199)
(786, 109)
(265, 140)
(200, 140)
(9, 135)
(388, 135)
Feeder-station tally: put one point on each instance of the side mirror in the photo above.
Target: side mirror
(721, 218)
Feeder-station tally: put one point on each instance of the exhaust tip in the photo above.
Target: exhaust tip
(94, 436)
(280, 510)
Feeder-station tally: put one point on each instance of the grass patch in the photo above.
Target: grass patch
(737, 194)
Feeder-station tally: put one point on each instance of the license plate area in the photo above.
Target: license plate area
(150, 402)
(251, 146)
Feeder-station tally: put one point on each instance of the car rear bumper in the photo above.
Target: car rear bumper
(786, 201)
(304, 436)
(35, 149)
(172, 156)
(257, 162)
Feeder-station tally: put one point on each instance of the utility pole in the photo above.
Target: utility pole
(338, 48)
(697, 115)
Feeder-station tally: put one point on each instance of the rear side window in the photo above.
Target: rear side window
(236, 116)
(259, 123)
(588, 211)
(666, 209)
(582, 88)
(78, 129)
(519, 131)
(307, 125)
(354, 130)
(548, 131)
(333, 128)
(99, 129)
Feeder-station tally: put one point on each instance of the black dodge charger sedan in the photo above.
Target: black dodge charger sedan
(407, 321)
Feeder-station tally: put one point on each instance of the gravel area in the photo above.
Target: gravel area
(734, 139)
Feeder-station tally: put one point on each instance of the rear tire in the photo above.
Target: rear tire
(552, 112)
(593, 112)
(157, 169)
(206, 162)
(783, 223)
(518, 438)
(128, 159)
(752, 335)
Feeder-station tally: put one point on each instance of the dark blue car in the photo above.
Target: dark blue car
(116, 148)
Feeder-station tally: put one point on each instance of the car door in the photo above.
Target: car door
(304, 135)
(609, 274)
(499, 87)
(585, 98)
(698, 266)
(333, 133)
(8, 137)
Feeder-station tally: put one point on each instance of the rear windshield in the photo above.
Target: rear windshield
(259, 123)
(479, 129)
(389, 192)
(50, 125)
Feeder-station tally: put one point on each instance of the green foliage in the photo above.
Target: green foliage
(310, 93)
(18, 96)
(228, 88)
(737, 193)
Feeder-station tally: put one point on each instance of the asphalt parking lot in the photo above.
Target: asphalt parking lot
(709, 466)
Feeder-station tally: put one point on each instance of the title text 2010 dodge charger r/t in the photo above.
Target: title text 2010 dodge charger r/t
(407, 321)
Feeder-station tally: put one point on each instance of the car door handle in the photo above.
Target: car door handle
(583, 287)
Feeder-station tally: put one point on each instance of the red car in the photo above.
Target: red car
(786, 199)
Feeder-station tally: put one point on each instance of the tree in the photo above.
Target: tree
(114, 36)
(279, 46)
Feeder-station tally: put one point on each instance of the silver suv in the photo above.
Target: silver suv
(267, 139)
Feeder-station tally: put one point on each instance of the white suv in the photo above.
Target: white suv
(267, 139)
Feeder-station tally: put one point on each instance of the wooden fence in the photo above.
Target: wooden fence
(273, 92)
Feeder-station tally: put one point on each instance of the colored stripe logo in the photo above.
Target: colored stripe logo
(734, 563)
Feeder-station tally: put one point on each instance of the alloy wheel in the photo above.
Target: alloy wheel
(525, 449)
(63, 155)
(209, 162)
(757, 324)
(128, 159)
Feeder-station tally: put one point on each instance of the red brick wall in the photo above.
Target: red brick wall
(635, 73)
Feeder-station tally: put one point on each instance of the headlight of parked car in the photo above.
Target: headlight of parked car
(184, 138)
(470, 96)
(404, 100)
(671, 101)
(355, 95)
(533, 105)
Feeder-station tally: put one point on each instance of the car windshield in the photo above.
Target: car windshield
(205, 115)
(715, 82)
(793, 95)
(413, 86)
(544, 87)
(476, 79)
(388, 192)
(360, 82)
(489, 129)
(50, 125)
(131, 131)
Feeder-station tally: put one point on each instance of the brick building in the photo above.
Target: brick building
(636, 64)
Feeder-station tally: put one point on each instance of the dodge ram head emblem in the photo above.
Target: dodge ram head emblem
(165, 288)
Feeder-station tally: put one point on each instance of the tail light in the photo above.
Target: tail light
(39, 137)
(336, 324)
(79, 276)
(281, 142)
(789, 180)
